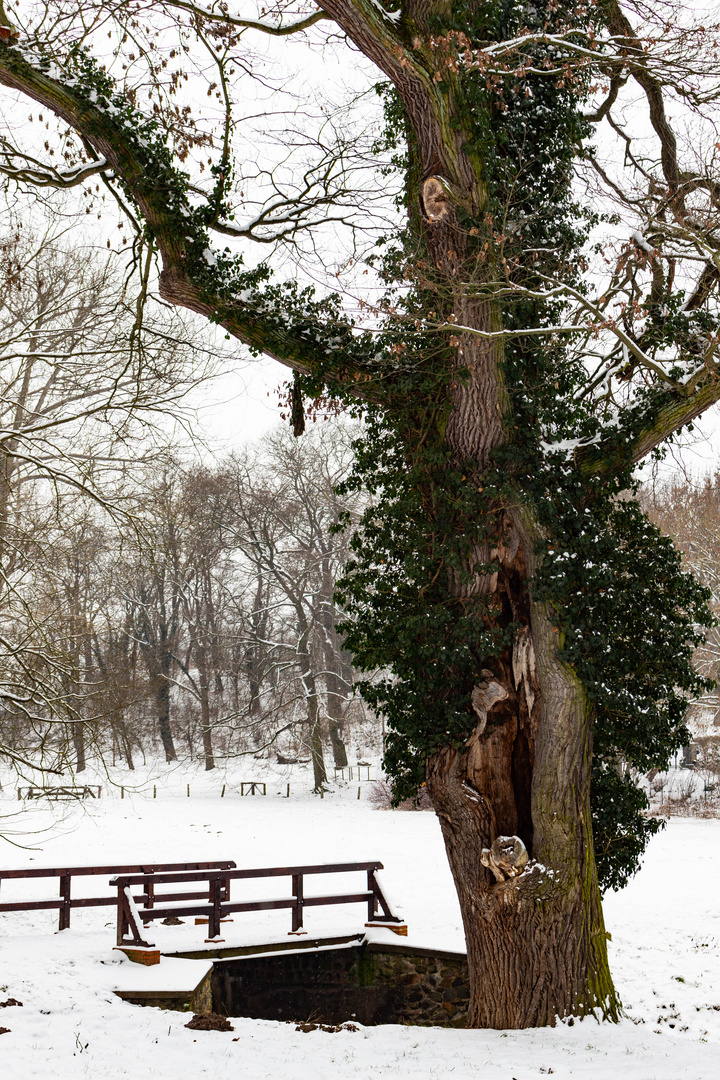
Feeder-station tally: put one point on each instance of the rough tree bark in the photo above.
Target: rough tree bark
(335, 699)
(536, 941)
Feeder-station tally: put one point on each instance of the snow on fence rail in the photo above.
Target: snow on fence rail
(218, 904)
(66, 902)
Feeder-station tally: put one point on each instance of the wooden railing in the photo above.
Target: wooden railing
(66, 902)
(134, 910)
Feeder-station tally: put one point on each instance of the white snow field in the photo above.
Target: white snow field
(665, 949)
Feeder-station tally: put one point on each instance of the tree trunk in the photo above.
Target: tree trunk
(318, 759)
(535, 934)
(206, 723)
(337, 742)
(207, 735)
(314, 729)
(254, 706)
(335, 699)
(309, 685)
(253, 654)
(126, 744)
(336, 689)
(78, 739)
(77, 727)
(536, 941)
(162, 706)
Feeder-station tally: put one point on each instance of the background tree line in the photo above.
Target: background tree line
(688, 510)
(149, 602)
(199, 620)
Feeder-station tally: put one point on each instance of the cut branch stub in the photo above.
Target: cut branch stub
(435, 197)
(7, 31)
(507, 858)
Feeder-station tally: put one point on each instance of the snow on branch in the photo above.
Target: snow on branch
(27, 169)
(219, 13)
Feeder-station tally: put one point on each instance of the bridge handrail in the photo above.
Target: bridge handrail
(66, 902)
(219, 905)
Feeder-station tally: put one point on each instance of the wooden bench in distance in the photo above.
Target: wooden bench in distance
(254, 787)
(62, 791)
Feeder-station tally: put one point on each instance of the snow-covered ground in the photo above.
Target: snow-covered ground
(665, 949)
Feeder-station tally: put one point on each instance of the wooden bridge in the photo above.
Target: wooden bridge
(206, 894)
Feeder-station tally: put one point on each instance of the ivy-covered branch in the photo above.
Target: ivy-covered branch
(281, 320)
(669, 413)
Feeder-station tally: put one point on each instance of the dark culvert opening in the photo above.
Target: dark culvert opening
(365, 981)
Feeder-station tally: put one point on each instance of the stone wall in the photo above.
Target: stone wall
(428, 988)
(188, 1000)
(371, 982)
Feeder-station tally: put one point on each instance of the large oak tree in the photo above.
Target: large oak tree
(527, 613)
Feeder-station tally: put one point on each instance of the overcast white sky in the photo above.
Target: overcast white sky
(242, 405)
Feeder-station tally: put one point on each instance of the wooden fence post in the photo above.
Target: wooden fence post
(215, 900)
(64, 920)
(149, 895)
(297, 911)
(372, 901)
